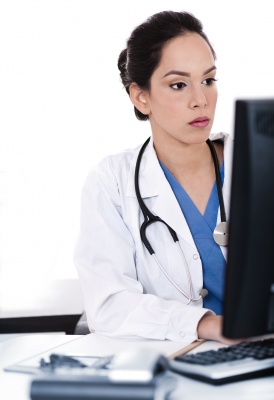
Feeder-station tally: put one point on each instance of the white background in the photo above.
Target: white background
(63, 109)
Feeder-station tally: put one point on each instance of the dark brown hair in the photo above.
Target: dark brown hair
(144, 47)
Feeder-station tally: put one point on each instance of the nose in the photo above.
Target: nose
(198, 98)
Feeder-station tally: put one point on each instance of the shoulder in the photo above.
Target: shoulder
(116, 162)
(112, 171)
(223, 143)
(224, 136)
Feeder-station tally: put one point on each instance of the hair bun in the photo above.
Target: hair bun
(122, 65)
(122, 62)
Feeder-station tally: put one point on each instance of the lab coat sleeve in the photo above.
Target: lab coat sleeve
(105, 259)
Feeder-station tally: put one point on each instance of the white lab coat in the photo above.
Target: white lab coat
(125, 292)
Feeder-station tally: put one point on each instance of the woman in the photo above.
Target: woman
(168, 70)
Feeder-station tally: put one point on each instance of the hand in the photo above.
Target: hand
(210, 327)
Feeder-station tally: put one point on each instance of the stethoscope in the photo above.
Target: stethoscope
(220, 233)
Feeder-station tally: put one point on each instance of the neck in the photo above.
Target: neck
(181, 157)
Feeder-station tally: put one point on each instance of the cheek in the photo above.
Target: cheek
(213, 96)
(169, 113)
(168, 105)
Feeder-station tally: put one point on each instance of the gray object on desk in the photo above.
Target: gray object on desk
(130, 375)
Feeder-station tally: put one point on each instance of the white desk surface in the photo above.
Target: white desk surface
(15, 386)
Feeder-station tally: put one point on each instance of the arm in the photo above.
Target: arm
(105, 259)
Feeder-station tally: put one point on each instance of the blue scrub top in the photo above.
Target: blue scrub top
(202, 227)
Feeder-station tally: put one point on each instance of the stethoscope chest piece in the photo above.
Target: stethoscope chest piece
(220, 233)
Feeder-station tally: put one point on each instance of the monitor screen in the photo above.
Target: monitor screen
(249, 284)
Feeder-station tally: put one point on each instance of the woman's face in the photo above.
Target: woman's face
(183, 89)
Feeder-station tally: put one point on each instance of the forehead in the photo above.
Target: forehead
(189, 53)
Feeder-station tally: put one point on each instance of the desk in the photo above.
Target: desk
(15, 386)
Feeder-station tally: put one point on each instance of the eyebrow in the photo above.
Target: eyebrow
(186, 73)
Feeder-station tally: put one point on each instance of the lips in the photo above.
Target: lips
(200, 122)
(200, 119)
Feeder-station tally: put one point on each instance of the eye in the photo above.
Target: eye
(178, 85)
(209, 81)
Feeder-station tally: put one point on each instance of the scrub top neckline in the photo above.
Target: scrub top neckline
(201, 228)
(221, 170)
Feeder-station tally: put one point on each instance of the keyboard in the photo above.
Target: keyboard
(228, 364)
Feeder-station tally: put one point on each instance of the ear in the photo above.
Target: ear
(139, 98)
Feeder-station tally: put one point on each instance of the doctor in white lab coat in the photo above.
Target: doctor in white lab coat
(125, 292)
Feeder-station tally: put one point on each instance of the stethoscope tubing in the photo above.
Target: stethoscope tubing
(150, 218)
(218, 180)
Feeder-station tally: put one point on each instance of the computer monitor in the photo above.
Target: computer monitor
(249, 284)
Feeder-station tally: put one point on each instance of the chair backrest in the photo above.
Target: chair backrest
(51, 323)
(82, 326)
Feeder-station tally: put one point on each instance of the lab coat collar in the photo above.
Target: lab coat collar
(150, 173)
(152, 182)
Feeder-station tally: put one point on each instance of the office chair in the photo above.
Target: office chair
(65, 296)
(82, 326)
(52, 323)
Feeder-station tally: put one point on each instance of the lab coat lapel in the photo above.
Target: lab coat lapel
(152, 182)
(149, 177)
